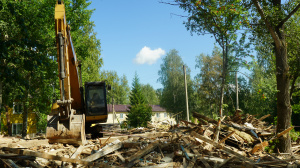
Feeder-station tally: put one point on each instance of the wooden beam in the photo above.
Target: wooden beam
(32, 164)
(224, 139)
(104, 151)
(143, 152)
(197, 115)
(164, 165)
(16, 156)
(9, 163)
(51, 157)
(77, 152)
(197, 154)
(223, 148)
(121, 157)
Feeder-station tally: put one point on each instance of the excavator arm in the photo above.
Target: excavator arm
(66, 123)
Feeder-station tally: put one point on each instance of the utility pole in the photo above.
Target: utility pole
(237, 91)
(186, 95)
(113, 107)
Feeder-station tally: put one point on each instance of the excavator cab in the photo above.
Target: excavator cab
(95, 102)
(95, 108)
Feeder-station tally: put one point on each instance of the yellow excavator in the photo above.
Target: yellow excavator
(75, 112)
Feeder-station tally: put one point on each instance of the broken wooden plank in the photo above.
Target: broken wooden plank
(32, 164)
(142, 152)
(197, 154)
(284, 132)
(192, 163)
(187, 123)
(51, 157)
(104, 151)
(121, 157)
(259, 146)
(131, 144)
(197, 115)
(226, 161)
(9, 163)
(223, 148)
(77, 152)
(224, 139)
(264, 117)
(16, 156)
(167, 165)
(276, 161)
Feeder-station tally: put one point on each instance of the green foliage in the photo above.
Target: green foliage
(136, 95)
(119, 87)
(28, 52)
(150, 94)
(220, 18)
(172, 78)
(271, 147)
(208, 81)
(294, 135)
(263, 97)
(86, 45)
(140, 113)
(41, 122)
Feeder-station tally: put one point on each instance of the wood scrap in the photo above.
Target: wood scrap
(102, 152)
(223, 148)
(141, 153)
(189, 145)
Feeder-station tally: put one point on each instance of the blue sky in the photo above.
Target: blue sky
(135, 35)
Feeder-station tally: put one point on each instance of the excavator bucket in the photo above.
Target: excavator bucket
(70, 131)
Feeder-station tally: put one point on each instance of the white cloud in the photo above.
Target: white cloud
(146, 55)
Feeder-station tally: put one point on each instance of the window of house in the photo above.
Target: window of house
(165, 115)
(17, 128)
(157, 115)
(121, 115)
(18, 108)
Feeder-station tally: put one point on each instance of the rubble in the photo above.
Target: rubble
(242, 143)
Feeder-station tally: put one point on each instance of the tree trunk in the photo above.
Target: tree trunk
(25, 113)
(284, 111)
(25, 119)
(8, 124)
(225, 51)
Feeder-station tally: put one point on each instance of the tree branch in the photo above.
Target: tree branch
(288, 16)
(269, 27)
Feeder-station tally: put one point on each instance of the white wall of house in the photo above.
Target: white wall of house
(156, 117)
(119, 117)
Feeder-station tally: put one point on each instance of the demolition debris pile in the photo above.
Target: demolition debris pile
(243, 139)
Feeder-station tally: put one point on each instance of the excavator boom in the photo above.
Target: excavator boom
(66, 123)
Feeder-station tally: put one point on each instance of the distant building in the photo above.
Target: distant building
(121, 111)
(14, 116)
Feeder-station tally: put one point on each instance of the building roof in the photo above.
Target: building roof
(125, 108)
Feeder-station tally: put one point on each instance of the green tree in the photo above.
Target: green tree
(119, 87)
(172, 78)
(140, 113)
(208, 80)
(274, 17)
(150, 94)
(28, 54)
(26, 43)
(86, 45)
(222, 19)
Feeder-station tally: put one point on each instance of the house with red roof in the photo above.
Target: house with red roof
(159, 114)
